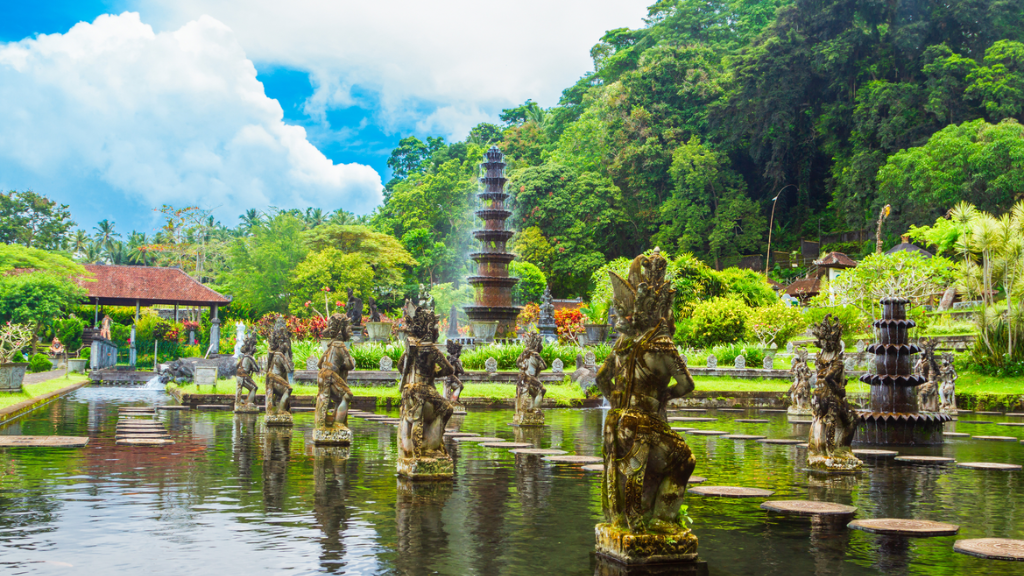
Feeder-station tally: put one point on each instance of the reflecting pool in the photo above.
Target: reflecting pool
(230, 497)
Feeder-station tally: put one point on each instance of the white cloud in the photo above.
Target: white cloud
(175, 117)
(438, 66)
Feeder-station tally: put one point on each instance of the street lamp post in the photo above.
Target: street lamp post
(771, 223)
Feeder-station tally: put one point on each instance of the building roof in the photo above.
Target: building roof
(835, 260)
(804, 288)
(908, 247)
(147, 285)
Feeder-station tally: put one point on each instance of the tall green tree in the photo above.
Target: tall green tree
(34, 220)
(261, 264)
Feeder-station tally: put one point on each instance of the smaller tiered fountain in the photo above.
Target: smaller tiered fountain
(894, 417)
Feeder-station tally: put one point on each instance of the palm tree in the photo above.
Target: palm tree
(93, 253)
(251, 218)
(137, 249)
(105, 232)
(116, 253)
(79, 242)
(314, 217)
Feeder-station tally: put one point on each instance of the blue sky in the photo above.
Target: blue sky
(236, 104)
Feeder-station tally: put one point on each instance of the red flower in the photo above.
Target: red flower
(337, 303)
(307, 303)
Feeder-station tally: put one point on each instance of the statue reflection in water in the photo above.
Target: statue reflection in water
(419, 524)
(277, 443)
(330, 499)
(243, 444)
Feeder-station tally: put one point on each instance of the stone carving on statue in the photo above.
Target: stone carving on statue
(768, 363)
(834, 421)
(928, 366)
(452, 384)
(789, 347)
(557, 366)
(244, 372)
(647, 465)
(330, 421)
(740, 363)
(280, 374)
(800, 391)
(354, 311)
(426, 300)
(712, 361)
(948, 376)
(374, 313)
(312, 362)
(386, 364)
(105, 327)
(546, 319)
(424, 412)
(529, 390)
(491, 365)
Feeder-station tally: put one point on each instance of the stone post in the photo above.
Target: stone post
(214, 331)
(131, 348)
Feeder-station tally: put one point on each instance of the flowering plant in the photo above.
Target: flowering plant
(570, 323)
(13, 337)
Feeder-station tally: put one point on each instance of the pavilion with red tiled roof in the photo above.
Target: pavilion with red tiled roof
(147, 286)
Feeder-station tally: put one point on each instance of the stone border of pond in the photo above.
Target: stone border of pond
(15, 411)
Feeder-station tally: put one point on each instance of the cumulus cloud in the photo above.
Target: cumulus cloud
(433, 66)
(174, 117)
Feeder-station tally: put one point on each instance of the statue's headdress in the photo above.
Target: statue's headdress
(337, 326)
(533, 341)
(249, 344)
(422, 322)
(279, 337)
(644, 299)
(454, 348)
(829, 333)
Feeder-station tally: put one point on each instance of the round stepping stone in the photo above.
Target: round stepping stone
(808, 508)
(904, 527)
(1009, 423)
(975, 421)
(876, 453)
(539, 451)
(988, 466)
(459, 434)
(752, 420)
(925, 459)
(731, 409)
(574, 459)
(996, 438)
(696, 480)
(707, 432)
(991, 548)
(955, 434)
(506, 444)
(478, 439)
(731, 492)
(691, 419)
(593, 467)
(743, 437)
(784, 441)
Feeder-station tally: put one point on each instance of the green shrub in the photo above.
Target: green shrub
(367, 356)
(718, 321)
(69, 331)
(727, 353)
(39, 363)
(120, 332)
(776, 323)
(86, 353)
(17, 356)
(531, 283)
(853, 321)
(507, 354)
(747, 285)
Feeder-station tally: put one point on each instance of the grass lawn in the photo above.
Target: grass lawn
(29, 391)
(972, 383)
(563, 394)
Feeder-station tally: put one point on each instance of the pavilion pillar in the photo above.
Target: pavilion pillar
(175, 312)
(132, 354)
(136, 311)
(96, 315)
(214, 331)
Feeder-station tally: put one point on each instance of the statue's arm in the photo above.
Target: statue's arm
(443, 366)
(684, 382)
(348, 362)
(605, 374)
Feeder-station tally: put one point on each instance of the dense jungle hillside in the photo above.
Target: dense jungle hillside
(691, 125)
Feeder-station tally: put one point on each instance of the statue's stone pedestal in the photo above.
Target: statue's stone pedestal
(424, 468)
(337, 435)
(679, 549)
(278, 418)
(458, 408)
(528, 418)
(796, 411)
(246, 408)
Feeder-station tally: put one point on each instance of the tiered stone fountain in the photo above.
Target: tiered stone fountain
(492, 284)
(894, 417)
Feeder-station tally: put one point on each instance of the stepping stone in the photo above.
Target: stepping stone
(506, 444)
(144, 442)
(803, 445)
(214, 407)
(691, 419)
(808, 508)
(460, 434)
(593, 467)
(141, 432)
(707, 432)
(1009, 423)
(784, 441)
(925, 459)
(903, 527)
(44, 441)
(143, 437)
(679, 429)
(996, 438)
(876, 453)
(988, 466)
(172, 408)
(135, 409)
(991, 548)
(574, 459)
(743, 437)
(974, 421)
(303, 409)
(538, 451)
(690, 410)
(955, 434)
(731, 409)
(799, 421)
(731, 492)
(776, 410)
(1015, 413)
(696, 480)
(752, 420)
(989, 413)
(478, 439)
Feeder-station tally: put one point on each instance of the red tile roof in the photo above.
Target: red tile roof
(804, 288)
(836, 260)
(123, 285)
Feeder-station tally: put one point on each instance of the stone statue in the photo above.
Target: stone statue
(800, 391)
(546, 318)
(424, 412)
(374, 313)
(583, 374)
(928, 366)
(280, 370)
(56, 348)
(425, 299)
(646, 464)
(529, 391)
(105, 327)
(354, 311)
(948, 377)
(833, 422)
(452, 384)
(239, 338)
(177, 370)
(332, 386)
(453, 322)
(244, 372)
